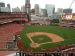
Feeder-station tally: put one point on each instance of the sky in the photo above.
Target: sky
(42, 3)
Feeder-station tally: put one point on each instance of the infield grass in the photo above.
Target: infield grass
(41, 39)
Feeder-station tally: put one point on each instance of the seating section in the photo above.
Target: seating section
(7, 33)
(6, 17)
(6, 53)
(8, 29)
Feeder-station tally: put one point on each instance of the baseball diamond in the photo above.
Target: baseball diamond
(55, 38)
(45, 37)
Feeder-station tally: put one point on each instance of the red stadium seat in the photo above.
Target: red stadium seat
(7, 31)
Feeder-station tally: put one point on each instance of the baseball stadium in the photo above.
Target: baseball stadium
(27, 33)
(21, 35)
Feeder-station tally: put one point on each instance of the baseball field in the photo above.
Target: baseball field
(44, 37)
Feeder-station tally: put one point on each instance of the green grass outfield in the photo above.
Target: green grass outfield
(67, 34)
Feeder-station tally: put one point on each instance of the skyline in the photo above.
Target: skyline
(58, 4)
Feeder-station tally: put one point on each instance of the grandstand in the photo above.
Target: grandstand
(8, 33)
(9, 28)
(6, 17)
(67, 23)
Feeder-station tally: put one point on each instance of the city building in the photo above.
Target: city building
(50, 9)
(23, 8)
(27, 6)
(37, 9)
(33, 11)
(4, 9)
(55, 15)
(44, 12)
(2, 4)
(28, 9)
(8, 6)
(41, 12)
(67, 14)
(60, 11)
(67, 10)
(17, 9)
(60, 14)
